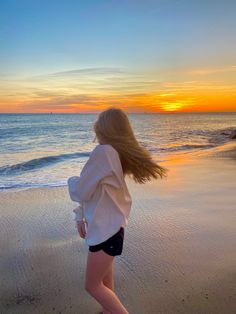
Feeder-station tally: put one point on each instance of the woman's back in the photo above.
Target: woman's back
(104, 194)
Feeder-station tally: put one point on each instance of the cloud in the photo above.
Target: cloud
(85, 71)
(135, 101)
(96, 88)
(212, 70)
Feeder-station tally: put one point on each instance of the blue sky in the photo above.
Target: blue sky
(38, 37)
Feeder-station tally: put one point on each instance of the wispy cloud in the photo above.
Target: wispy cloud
(85, 71)
(212, 70)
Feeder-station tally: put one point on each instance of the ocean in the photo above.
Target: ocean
(45, 149)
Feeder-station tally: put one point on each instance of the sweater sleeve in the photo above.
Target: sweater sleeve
(99, 166)
(79, 212)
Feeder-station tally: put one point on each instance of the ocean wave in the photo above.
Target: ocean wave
(26, 186)
(38, 163)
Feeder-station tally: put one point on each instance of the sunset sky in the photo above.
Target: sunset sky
(142, 56)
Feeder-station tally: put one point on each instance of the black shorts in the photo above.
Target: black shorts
(112, 246)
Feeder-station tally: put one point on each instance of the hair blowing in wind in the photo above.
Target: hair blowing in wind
(113, 127)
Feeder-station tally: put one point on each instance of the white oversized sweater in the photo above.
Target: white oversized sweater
(102, 194)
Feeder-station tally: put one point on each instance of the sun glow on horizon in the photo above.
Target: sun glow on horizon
(94, 89)
(171, 106)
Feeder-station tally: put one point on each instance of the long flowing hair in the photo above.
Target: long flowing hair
(113, 127)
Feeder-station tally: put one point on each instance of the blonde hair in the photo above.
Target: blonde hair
(113, 127)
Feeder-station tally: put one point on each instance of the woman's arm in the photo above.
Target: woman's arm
(99, 166)
(81, 223)
(79, 213)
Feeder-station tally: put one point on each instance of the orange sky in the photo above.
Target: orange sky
(87, 90)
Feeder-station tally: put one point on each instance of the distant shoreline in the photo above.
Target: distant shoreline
(92, 113)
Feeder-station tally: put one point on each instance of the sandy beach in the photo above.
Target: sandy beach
(179, 251)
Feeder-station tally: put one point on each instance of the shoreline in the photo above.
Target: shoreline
(178, 254)
(227, 150)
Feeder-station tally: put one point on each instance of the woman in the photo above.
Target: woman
(105, 202)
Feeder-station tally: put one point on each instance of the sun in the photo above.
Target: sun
(171, 106)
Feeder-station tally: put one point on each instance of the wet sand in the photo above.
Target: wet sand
(179, 251)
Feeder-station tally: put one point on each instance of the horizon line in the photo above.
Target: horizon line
(143, 112)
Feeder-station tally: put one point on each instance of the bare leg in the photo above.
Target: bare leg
(108, 281)
(98, 264)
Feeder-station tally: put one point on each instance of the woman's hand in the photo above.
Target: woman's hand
(81, 227)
